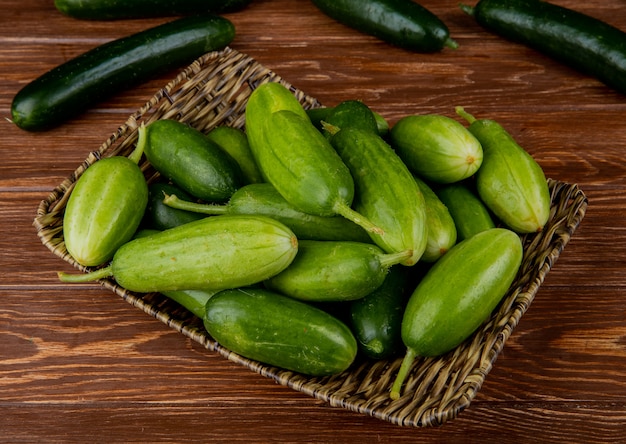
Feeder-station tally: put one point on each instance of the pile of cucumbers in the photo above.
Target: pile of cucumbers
(314, 236)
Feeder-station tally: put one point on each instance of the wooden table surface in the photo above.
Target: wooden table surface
(78, 364)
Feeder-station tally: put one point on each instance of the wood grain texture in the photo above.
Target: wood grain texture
(78, 364)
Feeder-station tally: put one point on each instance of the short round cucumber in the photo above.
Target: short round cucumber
(123, 9)
(457, 295)
(105, 208)
(190, 159)
(469, 213)
(263, 199)
(386, 192)
(71, 88)
(510, 182)
(277, 330)
(235, 142)
(441, 229)
(403, 23)
(213, 253)
(334, 271)
(436, 147)
(159, 216)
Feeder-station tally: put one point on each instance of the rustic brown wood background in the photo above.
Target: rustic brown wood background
(78, 364)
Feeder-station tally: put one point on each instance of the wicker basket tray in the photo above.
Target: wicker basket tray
(213, 91)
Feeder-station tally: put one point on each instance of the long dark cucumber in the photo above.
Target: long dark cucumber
(123, 9)
(72, 87)
(579, 40)
(403, 23)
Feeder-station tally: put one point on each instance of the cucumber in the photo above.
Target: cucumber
(264, 200)
(441, 229)
(457, 295)
(190, 159)
(578, 40)
(74, 86)
(510, 182)
(276, 330)
(235, 142)
(386, 192)
(353, 113)
(376, 319)
(213, 253)
(403, 23)
(159, 216)
(333, 271)
(436, 147)
(123, 9)
(105, 208)
(317, 115)
(193, 300)
(296, 158)
(469, 213)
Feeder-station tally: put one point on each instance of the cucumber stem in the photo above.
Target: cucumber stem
(469, 10)
(390, 259)
(330, 128)
(451, 43)
(344, 210)
(171, 200)
(86, 277)
(464, 114)
(409, 357)
(135, 156)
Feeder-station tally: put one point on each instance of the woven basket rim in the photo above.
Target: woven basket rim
(212, 91)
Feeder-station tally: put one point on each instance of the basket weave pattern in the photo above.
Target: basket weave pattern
(213, 91)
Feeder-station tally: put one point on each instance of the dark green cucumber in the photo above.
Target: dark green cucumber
(264, 200)
(457, 295)
(353, 113)
(333, 271)
(403, 23)
(296, 158)
(71, 88)
(235, 142)
(376, 319)
(124, 9)
(213, 253)
(190, 159)
(277, 330)
(386, 192)
(159, 216)
(317, 115)
(105, 208)
(585, 43)
(469, 213)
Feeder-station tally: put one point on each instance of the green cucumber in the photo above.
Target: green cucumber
(317, 115)
(213, 253)
(190, 159)
(105, 208)
(442, 233)
(457, 295)
(276, 330)
(386, 192)
(264, 200)
(193, 300)
(469, 213)
(403, 23)
(296, 158)
(159, 216)
(71, 88)
(333, 271)
(376, 319)
(353, 113)
(136, 9)
(436, 147)
(235, 142)
(510, 182)
(585, 43)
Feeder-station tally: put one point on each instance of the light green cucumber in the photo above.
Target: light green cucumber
(213, 253)
(441, 229)
(436, 147)
(235, 142)
(326, 271)
(469, 213)
(105, 208)
(280, 331)
(263, 199)
(510, 182)
(193, 300)
(457, 295)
